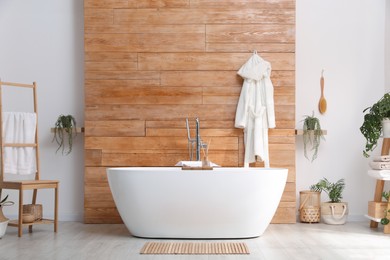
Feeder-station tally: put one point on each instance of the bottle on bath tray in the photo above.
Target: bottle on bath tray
(205, 162)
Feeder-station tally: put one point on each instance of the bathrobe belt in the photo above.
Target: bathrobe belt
(257, 123)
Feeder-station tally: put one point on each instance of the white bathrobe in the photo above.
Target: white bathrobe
(255, 110)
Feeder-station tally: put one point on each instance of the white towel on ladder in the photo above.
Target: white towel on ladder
(19, 127)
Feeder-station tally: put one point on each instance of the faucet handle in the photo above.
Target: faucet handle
(188, 129)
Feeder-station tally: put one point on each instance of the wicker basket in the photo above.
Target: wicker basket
(310, 209)
(35, 209)
(310, 215)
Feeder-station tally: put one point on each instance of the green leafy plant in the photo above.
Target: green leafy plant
(312, 135)
(372, 124)
(65, 128)
(334, 190)
(386, 196)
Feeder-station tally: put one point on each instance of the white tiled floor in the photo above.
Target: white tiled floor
(355, 240)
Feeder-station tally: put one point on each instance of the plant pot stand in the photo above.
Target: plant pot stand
(381, 177)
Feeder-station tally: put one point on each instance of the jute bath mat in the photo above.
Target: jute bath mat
(189, 248)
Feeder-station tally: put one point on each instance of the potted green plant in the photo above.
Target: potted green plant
(334, 211)
(64, 132)
(312, 135)
(376, 121)
(3, 220)
(385, 220)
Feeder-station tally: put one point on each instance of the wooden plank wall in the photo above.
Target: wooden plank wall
(149, 64)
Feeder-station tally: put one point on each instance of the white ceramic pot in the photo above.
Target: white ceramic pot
(334, 213)
(386, 127)
(3, 227)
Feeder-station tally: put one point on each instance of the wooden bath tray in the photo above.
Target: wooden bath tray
(209, 168)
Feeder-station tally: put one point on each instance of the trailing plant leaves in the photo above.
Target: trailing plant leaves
(386, 195)
(312, 135)
(385, 221)
(64, 128)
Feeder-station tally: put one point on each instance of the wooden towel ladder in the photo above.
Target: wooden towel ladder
(22, 185)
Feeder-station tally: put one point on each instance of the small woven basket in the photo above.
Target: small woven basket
(310, 215)
(34, 209)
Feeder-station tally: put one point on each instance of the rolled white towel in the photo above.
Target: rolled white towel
(381, 158)
(380, 165)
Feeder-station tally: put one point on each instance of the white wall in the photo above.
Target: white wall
(42, 41)
(346, 38)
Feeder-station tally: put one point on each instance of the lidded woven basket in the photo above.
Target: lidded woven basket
(309, 206)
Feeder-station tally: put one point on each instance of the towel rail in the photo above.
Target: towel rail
(17, 84)
(19, 145)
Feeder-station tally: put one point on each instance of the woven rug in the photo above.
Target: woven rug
(188, 248)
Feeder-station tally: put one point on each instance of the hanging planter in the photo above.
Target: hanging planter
(312, 135)
(64, 133)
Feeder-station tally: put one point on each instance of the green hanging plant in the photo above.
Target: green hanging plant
(65, 129)
(312, 135)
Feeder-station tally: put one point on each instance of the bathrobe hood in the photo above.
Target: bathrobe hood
(255, 109)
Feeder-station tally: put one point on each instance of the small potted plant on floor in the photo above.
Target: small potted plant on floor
(3, 219)
(64, 132)
(334, 211)
(312, 135)
(376, 122)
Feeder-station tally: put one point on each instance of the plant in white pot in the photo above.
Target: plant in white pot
(335, 211)
(3, 219)
(376, 123)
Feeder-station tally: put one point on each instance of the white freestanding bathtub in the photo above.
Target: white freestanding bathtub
(168, 202)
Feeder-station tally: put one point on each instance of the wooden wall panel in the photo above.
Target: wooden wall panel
(262, 4)
(209, 61)
(149, 64)
(157, 42)
(250, 33)
(217, 15)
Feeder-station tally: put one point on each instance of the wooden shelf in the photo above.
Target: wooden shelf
(373, 219)
(300, 132)
(380, 174)
(14, 223)
(78, 130)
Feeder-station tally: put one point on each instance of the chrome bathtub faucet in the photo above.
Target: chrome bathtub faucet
(197, 141)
